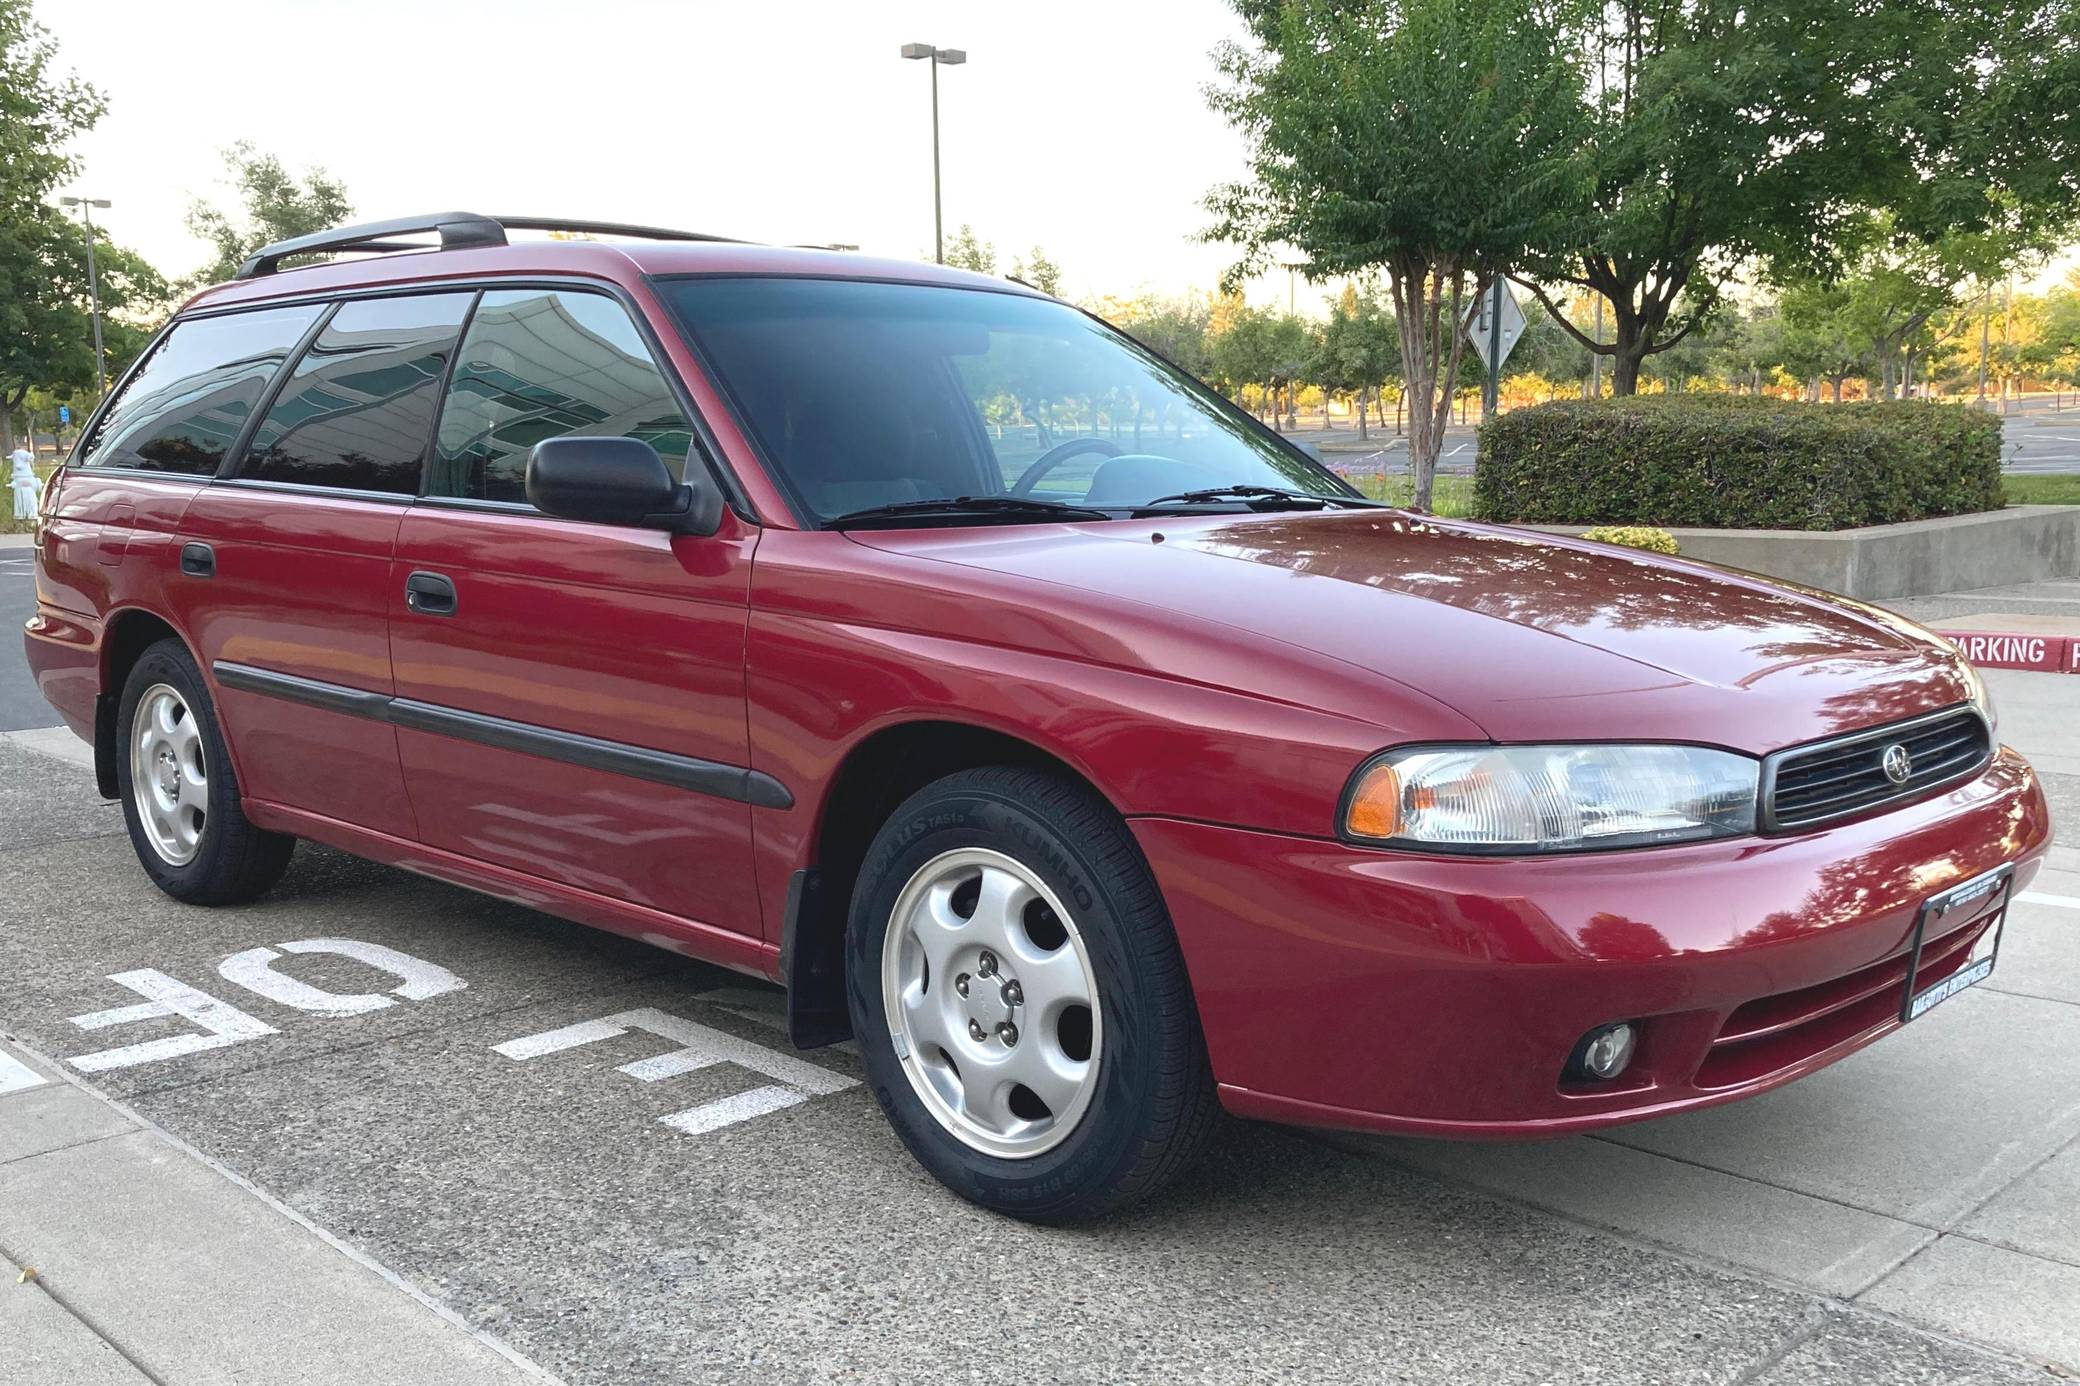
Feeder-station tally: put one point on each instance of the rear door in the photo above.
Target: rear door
(291, 615)
(571, 695)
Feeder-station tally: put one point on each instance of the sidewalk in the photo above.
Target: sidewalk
(126, 1258)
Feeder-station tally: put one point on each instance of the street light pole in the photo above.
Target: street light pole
(86, 207)
(948, 57)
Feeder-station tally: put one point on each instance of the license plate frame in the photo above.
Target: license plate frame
(1996, 886)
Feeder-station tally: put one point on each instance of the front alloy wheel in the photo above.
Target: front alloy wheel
(992, 1005)
(1020, 1000)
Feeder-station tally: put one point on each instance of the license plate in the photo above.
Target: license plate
(1972, 898)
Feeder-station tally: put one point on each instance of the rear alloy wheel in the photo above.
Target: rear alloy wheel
(169, 774)
(1020, 1000)
(180, 795)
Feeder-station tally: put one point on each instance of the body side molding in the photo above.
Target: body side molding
(735, 782)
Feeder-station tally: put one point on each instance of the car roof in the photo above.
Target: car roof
(601, 259)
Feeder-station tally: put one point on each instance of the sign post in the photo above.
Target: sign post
(1494, 309)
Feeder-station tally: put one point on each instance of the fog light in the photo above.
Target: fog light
(1603, 1053)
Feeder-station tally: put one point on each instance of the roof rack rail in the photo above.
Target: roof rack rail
(458, 231)
(609, 228)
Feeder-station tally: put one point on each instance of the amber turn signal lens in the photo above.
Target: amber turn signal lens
(1375, 807)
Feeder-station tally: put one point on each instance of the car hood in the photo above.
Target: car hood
(1527, 635)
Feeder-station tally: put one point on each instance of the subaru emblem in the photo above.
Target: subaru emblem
(1898, 764)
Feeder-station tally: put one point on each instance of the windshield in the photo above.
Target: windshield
(866, 395)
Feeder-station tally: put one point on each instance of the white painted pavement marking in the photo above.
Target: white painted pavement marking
(2037, 897)
(226, 1024)
(16, 1076)
(730, 1110)
(700, 1047)
(419, 980)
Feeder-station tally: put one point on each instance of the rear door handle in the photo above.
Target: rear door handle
(429, 594)
(198, 560)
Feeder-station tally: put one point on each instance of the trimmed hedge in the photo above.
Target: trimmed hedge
(1736, 462)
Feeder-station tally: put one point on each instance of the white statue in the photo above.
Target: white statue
(22, 481)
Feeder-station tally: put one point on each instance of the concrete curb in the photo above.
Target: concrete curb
(127, 1212)
(1997, 548)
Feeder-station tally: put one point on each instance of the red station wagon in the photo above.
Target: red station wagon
(1090, 754)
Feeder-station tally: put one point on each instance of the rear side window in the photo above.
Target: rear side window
(357, 410)
(185, 407)
(540, 363)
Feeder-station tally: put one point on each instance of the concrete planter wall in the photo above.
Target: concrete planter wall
(2023, 543)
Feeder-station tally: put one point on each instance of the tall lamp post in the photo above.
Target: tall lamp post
(86, 207)
(939, 57)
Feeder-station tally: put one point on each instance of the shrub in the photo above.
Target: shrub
(1736, 462)
(1634, 537)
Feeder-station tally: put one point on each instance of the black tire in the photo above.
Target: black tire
(234, 861)
(1154, 1106)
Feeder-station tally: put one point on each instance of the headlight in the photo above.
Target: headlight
(1981, 697)
(1511, 799)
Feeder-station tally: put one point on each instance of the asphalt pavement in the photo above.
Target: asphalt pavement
(375, 1127)
(20, 704)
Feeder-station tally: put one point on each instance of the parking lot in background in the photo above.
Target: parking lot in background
(2040, 436)
(607, 1159)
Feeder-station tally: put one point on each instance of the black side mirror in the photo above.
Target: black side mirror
(619, 481)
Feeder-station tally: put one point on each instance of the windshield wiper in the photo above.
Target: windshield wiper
(1247, 492)
(1007, 507)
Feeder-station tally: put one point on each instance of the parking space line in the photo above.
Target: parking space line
(2038, 897)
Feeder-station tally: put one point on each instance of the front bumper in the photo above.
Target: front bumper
(1430, 995)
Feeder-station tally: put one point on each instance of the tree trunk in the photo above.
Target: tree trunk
(1364, 403)
(1838, 389)
(1625, 372)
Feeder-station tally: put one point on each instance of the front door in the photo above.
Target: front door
(571, 695)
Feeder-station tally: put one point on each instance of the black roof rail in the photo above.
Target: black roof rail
(458, 231)
(608, 228)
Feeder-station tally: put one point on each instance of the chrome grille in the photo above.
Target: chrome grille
(1820, 783)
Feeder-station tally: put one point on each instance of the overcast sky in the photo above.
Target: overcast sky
(1077, 125)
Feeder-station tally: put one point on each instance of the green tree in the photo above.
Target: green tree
(45, 335)
(1725, 133)
(1177, 329)
(1239, 350)
(965, 250)
(1040, 272)
(1358, 350)
(1823, 339)
(273, 205)
(1434, 141)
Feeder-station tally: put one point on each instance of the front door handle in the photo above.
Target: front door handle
(429, 594)
(198, 560)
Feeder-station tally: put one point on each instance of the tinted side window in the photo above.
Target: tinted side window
(358, 409)
(539, 363)
(191, 399)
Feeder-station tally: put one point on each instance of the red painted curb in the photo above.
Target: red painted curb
(2049, 654)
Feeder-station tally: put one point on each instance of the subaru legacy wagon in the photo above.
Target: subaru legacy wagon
(1090, 755)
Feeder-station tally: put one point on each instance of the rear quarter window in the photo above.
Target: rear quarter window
(186, 406)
